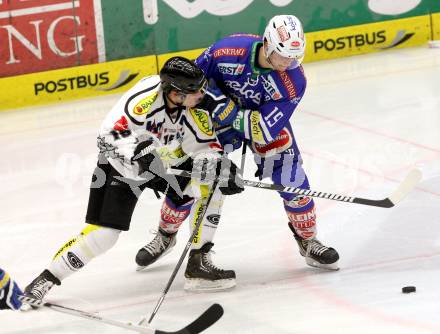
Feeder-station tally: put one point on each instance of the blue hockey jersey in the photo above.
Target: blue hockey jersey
(267, 98)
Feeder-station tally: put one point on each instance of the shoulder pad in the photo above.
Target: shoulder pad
(201, 119)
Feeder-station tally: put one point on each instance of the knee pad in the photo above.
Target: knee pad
(93, 240)
(302, 216)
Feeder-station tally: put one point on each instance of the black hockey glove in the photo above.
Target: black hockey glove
(231, 178)
(146, 159)
(150, 160)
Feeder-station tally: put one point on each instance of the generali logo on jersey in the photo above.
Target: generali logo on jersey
(229, 52)
(40, 35)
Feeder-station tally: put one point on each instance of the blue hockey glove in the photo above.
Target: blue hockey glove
(222, 109)
(9, 292)
(229, 138)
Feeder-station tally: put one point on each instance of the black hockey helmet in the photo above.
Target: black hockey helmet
(183, 75)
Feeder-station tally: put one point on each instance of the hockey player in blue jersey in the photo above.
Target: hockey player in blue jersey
(9, 292)
(260, 82)
(265, 80)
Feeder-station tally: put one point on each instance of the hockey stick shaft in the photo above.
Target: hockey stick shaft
(243, 155)
(404, 188)
(206, 319)
(86, 315)
(182, 257)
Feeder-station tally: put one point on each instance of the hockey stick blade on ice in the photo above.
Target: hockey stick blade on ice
(402, 190)
(205, 320)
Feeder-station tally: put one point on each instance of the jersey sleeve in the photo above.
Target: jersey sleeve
(206, 61)
(265, 123)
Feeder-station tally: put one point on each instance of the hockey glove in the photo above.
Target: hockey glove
(149, 161)
(208, 166)
(222, 109)
(229, 138)
(231, 176)
(9, 292)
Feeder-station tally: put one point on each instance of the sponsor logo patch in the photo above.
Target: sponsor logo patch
(230, 69)
(144, 105)
(271, 88)
(305, 219)
(213, 219)
(282, 33)
(225, 113)
(288, 84)
(201, 119)
(256, 132)
(74, 261)
(299, 201)
(121, 124)
(279, 144)
(229, 52)
(172, 216)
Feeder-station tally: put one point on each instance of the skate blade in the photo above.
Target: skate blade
(316, 264)
(27, 307)
(140, 268)
(202, 285)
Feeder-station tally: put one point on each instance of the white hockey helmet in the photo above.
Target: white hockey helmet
(284, 34)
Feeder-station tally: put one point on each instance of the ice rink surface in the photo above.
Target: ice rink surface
(363, 123)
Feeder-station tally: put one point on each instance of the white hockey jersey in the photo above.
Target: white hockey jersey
(140, 113)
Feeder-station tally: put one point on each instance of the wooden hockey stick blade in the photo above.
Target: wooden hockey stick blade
(205, 320)
(411, 180)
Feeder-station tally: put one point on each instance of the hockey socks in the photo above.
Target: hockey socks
(302, 216)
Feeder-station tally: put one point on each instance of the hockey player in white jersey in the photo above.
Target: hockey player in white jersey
(156, 119)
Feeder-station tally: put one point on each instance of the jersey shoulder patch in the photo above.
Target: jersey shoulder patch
(202, 121)
(292, 83)
(144, 105)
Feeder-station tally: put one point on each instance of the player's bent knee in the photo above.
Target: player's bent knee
(93, 240)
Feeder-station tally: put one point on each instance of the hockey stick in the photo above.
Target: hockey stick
(205, 320)
(243, 155)
(182, 257)
(402, 190)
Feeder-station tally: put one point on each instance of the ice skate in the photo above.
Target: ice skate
(160, 246)
(39, 287)
(315, 253)
(202, 275)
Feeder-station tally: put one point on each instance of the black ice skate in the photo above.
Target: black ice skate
(160, 246)
(39, 287)
(316, 254)
(202, 275)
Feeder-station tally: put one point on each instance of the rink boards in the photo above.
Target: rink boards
(118, 76)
